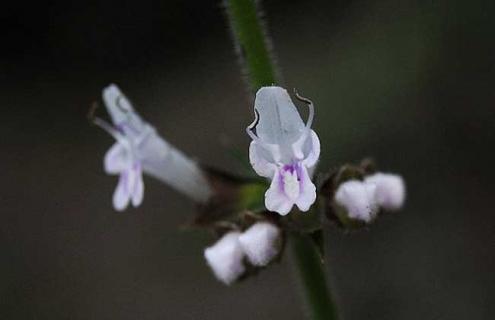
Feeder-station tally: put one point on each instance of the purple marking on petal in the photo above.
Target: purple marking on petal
(300, 174)
(280, 182)
(288, 167)
(122, 126)
(283, 194)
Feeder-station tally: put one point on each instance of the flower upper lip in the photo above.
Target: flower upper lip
(290, 131)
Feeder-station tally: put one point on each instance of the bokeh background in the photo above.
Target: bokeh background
(410, 83)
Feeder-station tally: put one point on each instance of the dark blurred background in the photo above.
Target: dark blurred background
(410, 83)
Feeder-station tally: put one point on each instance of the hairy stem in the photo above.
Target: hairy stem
(251, 42)
(253, 46)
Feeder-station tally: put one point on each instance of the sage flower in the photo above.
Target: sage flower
(283, 149)
(139, 148)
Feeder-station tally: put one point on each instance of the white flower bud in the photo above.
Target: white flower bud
(358, 198)
(225, 258)
(390, 190)
(261, 243)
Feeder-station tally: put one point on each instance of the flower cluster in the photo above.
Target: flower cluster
(284, 150)
(355, 195)
(260, 244)
(363, 199)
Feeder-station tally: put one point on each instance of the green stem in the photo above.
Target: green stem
(251, 42)
(312, 277)
(252, 46)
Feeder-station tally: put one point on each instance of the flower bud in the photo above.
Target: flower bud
(358, 199)
(261, 243)
(390, 190)
(225, 258)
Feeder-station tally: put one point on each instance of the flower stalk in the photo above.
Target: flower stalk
(253, 46)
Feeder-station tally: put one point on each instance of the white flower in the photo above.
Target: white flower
(390, 190)
(358, 198)
(261, 243)
(284, 149)
(225, 258)
(140, 149)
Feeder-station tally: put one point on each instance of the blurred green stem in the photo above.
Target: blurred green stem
(312, 277)
(252, 46)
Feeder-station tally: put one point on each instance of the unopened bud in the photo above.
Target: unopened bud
(358, 199)
(225, 258)
(261, 243)
(390, 190)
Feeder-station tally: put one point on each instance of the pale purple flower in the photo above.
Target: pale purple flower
(390, 190)
(139, 149)
(284, 149)
(358, 198)
(261, 243)
(121, 160)
(225, 258)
